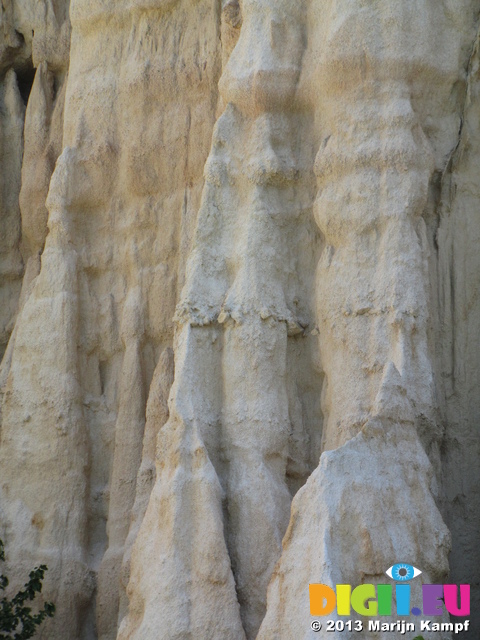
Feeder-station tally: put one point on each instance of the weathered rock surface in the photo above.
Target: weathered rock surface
(238, 267)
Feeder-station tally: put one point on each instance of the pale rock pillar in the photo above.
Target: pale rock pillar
(46, 433)
(11, 151)
(370, 503)
(129, 430)
(222, 456)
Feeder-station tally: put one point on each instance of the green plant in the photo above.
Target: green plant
(17, 622)
(419, 638)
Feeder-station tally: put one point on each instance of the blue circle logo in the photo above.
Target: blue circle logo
(402, 572)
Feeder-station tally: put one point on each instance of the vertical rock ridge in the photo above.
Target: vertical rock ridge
(129, 430)
(457, 349)
(123, 196)
(36, 524)
(239, 294)
(39, 159)
(11, 150)
(373, 168)
(157, 414)
(187, 585)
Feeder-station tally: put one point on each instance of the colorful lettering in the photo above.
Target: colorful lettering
(362, 595)
(320, 593)
(432, 594)
(450, 592)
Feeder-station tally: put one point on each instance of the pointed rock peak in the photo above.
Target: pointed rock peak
(133, 313)
(42, 90)
(391, 376)
(392, 401)
(12, 97)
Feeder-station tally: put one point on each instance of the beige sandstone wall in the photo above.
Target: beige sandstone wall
(239, 306)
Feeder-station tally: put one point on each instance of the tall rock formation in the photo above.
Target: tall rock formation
(238, 307)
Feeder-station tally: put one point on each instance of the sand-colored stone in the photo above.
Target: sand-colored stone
(239, 306)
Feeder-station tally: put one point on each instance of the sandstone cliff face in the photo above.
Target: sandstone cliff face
(239, 306)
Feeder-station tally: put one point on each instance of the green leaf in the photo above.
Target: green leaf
(17, 622)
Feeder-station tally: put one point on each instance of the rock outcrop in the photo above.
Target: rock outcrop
(238, 307)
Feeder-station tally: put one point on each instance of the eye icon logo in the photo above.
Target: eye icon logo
(402, 572)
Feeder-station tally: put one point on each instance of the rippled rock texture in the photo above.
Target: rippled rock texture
(239, 306)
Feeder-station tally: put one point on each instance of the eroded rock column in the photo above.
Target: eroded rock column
(46, 434)
(370, 502)
(11, 150)
(222, 457)
(34, 57)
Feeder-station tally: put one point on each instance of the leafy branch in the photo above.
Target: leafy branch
(17, 622)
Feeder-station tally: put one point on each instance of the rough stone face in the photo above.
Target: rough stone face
(239, 307)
